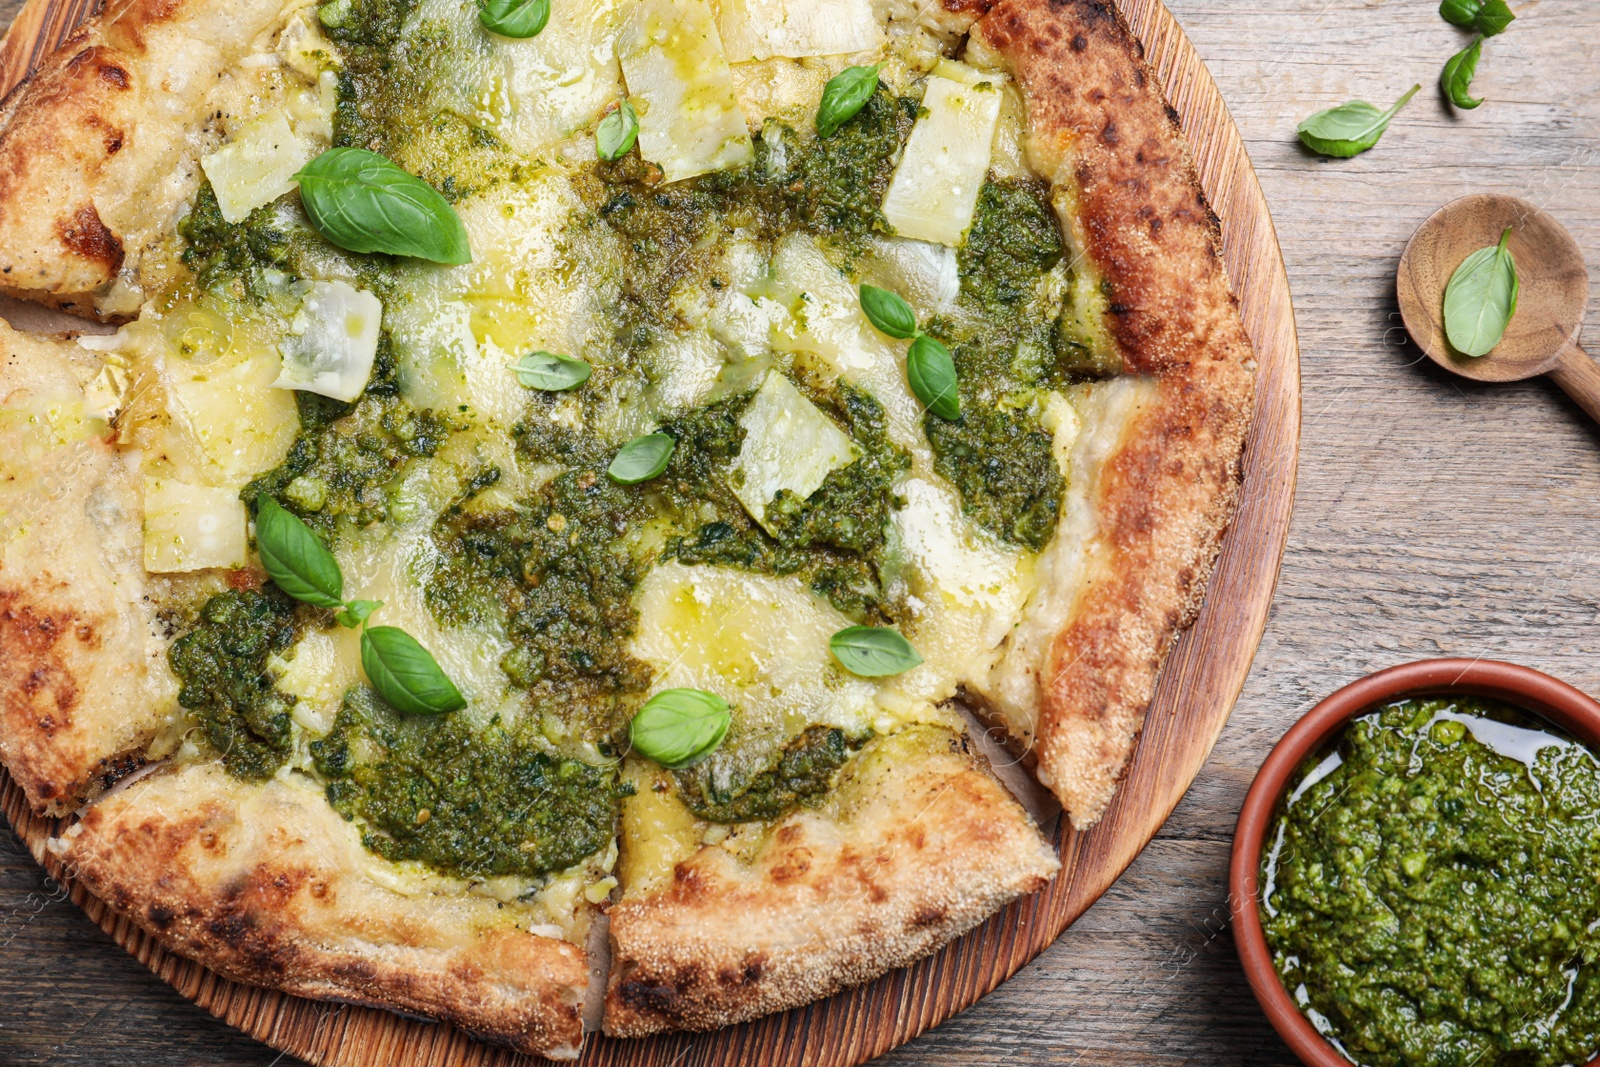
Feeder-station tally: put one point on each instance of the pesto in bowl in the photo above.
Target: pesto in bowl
(1430, 889)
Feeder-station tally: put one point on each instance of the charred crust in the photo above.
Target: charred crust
(85, 236)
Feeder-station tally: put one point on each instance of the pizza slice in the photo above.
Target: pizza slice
(569, 461)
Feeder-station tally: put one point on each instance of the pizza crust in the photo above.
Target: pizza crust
(917, 844)
(1163, 497)
(268, 885)
(99, 148)
(85, 684)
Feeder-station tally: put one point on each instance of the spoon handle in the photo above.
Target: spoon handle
(1579, 375)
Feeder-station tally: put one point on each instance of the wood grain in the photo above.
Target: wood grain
(1197, 691)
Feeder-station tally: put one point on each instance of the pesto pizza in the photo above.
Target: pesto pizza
(564, 471)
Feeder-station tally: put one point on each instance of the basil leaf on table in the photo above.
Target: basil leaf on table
(1349, 129)
(514, 18)
(551, 371)
(1460, 12)
(888, 312)
(678, 727)
(1493, 17)
(617, 133)
(295, 558)
(1481, 299)
(361, 201)
(405, 674)
(932, 375)
(873, 651)
(1456, 80)
(642, 459)
(846, 93)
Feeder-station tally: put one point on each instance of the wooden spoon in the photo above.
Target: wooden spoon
(1543, 335)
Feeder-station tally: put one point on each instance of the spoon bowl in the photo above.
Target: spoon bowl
(1542, 337)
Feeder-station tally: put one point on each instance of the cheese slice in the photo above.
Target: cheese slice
(257, 166)
(191, 527)
(788, 445)
(238, 423)
(935, 186)
(762, 29)
(332, 341)
(678, 78)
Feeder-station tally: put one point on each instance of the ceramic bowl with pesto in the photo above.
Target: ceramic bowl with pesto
(1416, 872)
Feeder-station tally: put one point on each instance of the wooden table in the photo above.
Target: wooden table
(1432, 519)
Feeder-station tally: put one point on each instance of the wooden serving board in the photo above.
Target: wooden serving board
(1194, 697)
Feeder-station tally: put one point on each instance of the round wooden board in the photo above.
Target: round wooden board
(1196, 692)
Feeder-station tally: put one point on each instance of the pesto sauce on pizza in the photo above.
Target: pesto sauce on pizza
(554, 570)
(458, 798)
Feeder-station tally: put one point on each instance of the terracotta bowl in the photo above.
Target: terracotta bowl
(1523, 687)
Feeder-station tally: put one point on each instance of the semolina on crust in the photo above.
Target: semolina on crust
(265, 883)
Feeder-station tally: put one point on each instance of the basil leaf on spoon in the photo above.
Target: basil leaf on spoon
(514, 18)
(551, 372)
(1349, 129)
(406, 674)
(1456, 81)
(846, 93)
(678, 727)
(1481, 299)
(361, 201)
(873, 651)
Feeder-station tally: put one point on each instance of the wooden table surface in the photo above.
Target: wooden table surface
(1434, 517)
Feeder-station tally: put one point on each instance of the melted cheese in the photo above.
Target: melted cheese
(762, 29)
(789, 446)
(532, 92)
(935, 186)
(257, 166)
(192, 527)
(678, 78)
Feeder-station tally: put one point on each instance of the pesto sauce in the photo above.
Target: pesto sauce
(337, 474)
(801, 773)
(472, 802)
(1437, 901)
(557, 573)
(836, 539)
(221, 664)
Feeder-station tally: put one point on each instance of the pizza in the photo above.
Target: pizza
(553, 480)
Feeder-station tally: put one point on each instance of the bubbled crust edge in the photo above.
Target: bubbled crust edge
(1097, 118)
(931, 849)
(151, 862)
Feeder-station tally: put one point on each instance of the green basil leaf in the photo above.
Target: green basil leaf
(1349, 129)
(642, 459)
(888, 312)
(406, 674)
(846, 93)
(514, 18)
(1456, 81)
(677, 727)
(932, 375)
(1481, 299)
(1460, 12)
(361, 201)
(356, 612)
(873, 651)
(336, 13)
(552, 372)
(1493, 18)
(617, 132)
(295, 558)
